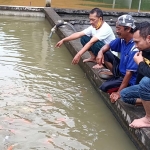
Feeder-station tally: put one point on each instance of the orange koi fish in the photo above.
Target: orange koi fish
(50, 97)
(10, 147)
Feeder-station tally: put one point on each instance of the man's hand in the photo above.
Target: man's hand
(59, 43)
(114, 97)
(138, 57)
(100, 58)
(76, 59)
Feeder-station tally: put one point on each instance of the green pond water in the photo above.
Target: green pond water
(45, 102)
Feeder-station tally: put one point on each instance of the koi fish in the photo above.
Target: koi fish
(60, 120)
(9, 119)
(10, 147)
(50, 97)
(12, 131)
(50, 140)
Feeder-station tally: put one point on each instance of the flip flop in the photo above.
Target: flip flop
(105, 73)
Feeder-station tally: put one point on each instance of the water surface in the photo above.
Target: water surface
(46, 103)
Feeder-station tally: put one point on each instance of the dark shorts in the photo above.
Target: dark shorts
(95, 48)
(113, 84)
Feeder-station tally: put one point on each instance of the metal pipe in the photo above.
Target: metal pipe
(58, 25)
(69, 24)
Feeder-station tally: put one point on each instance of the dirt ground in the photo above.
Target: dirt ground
(23, 2)
(74, 4)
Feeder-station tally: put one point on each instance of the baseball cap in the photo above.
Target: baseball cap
(126, 20)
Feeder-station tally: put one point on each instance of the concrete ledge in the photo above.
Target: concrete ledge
(124, 113)
(21, 8)
(23, 14)
(105, 13)
(21, 11)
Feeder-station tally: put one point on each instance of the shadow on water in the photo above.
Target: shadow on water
(46, 103)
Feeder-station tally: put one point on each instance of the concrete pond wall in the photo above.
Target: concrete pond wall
(124, 113)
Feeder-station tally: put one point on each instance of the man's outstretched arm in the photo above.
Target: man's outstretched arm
(69, 38)
(83, 50)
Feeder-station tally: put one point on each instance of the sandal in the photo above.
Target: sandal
(105, 73)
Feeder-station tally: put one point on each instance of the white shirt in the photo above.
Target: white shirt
(104, 33)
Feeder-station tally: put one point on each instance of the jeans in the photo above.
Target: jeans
(95, 48)
(141, 90)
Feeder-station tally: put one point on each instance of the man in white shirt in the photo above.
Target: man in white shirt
(93, 38)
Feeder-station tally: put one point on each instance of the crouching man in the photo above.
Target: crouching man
(93, 38)
(124, 69)
(141, 38)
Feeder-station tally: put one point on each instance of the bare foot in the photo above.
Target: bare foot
(97, 66)
(140, 123)
(89, 59)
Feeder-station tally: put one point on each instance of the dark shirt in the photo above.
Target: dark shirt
(146, 54)
(143, 68)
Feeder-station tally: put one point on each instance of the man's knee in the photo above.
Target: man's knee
(98, 44)
(107, 53)
(144, 84)
(84, 39)
(123, 93)
(108, 56)
(126, 97)
(103, 88)
(145, 81)
(108, 87)
(144, 88)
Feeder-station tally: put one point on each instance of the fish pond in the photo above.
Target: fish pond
(45, 102)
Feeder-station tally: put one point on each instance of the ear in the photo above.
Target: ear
(148, 38)
(100, 18)
(129, 29)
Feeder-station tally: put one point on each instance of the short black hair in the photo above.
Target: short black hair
(98, 12)
(131, 30)
(144, 29)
